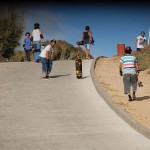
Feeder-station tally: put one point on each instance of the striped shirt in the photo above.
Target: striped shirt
(128, 64)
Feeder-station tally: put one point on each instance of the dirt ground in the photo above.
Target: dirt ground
(107, 72)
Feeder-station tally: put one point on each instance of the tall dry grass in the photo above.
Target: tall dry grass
(143, 58)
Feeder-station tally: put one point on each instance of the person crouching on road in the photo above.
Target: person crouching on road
(130, 68)
(46, 57)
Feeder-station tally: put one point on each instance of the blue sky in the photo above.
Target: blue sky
(110, 24)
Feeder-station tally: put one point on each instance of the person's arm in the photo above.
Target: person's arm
(51, 53)
(47, 52)
(24, 44)
(135, 42)
(41, 35)
(82, 36)
(136, 66)
(120, 68)
(31, 44)
(47, 55)
(31, 38)
(90, 34)
(91, 37)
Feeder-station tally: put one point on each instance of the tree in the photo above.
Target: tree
(10, 34)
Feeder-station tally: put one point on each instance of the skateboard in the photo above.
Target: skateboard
(78, 65)
(79, 43)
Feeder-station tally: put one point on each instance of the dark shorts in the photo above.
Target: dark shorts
(139, 49)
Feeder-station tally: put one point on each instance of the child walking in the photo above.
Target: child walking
(128, 68)
(27, 45)
(46, 57)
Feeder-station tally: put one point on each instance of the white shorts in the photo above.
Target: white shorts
(87, 46)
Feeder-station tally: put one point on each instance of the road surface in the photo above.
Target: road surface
(62, 113)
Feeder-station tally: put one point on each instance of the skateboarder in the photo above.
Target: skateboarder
(46, 57)
(87, 39)
(37, 36)
(130, 68)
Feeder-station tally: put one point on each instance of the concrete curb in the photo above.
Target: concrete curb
(122, 113)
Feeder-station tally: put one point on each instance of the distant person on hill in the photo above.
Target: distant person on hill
(37, 36)
(130, 68)
(46, 57)
(27, 45)
(87, 39)
(140, 41)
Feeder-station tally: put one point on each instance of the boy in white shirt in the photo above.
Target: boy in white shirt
(46, 57)
(140, 41)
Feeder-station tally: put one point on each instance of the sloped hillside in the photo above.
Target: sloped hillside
(63, 51)
(143, 58)
(107, 72)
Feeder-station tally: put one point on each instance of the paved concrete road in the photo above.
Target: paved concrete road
(63, 113)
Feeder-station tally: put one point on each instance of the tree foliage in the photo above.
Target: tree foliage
(10, 34)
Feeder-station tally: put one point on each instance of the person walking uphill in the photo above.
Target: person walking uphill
(37, 36)
(46, 57)
(140, 41)
(27, 45)
(87, 39)
(130, 68)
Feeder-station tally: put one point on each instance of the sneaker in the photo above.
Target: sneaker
(134, 97)
(44, 78)
(130, 98)
(47, 76)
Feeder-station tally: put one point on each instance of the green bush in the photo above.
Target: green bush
(10, 34)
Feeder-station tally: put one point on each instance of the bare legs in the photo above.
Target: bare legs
(87, 53)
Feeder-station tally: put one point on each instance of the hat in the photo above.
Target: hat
(128, 48)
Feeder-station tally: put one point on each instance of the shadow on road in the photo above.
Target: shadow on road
(61, 75)
(85, 77)
(143, 98)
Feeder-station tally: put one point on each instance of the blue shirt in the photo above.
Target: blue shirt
(27, 42)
